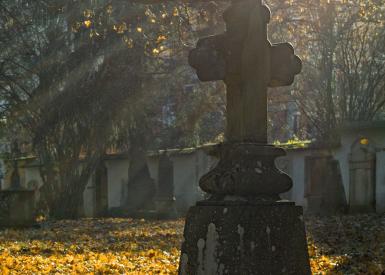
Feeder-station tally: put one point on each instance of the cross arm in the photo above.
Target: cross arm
(284, 65)
(207, 58)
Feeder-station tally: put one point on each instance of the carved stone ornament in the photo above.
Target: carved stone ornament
(248, 171)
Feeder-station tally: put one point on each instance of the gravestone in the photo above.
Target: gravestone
(325, 195)
(141, 187)
(244, 227)
(15, 177)
(17, 204)
(17, 208)
(101, 191)
(165, 200)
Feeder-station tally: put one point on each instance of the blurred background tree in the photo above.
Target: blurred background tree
(342, 47)
(81, 78)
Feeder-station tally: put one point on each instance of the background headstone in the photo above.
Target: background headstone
(141, 187)
(165, 200)
(324, 188)
(17, 208)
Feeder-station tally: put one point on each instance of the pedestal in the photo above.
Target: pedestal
(235, 237)
(246, 170)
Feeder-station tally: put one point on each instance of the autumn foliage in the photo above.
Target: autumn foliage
(93, 246)
(337, 245)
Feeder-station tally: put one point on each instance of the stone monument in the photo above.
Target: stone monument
(165, 200)
(244, 227)
(141, 187)
(17, 204)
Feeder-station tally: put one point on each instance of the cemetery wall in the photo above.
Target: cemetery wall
(374, 133)
(191, 164)
(188, 169)
(380, 182)
(153, 163)
(376, 137)
(117, 178)
(294, 164)
(89, 208)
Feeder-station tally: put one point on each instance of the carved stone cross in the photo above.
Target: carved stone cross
(248, 63)
(244, 206)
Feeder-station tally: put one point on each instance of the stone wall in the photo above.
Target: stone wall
(317, 184)
(117, 181)
(295, 164)
(89, 200)
(380, 182)
(191, 164)
(374, 133)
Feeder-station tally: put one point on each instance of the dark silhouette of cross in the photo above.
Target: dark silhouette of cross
(245, 185)
(248, 63)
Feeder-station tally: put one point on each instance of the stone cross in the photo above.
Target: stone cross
(248, 63)
(244, 227)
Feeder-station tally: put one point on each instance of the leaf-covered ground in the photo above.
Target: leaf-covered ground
(347, 244)
(337, 245)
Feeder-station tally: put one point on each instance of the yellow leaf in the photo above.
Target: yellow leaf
(87, 23)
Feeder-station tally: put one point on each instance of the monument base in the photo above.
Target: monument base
(235, 237)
